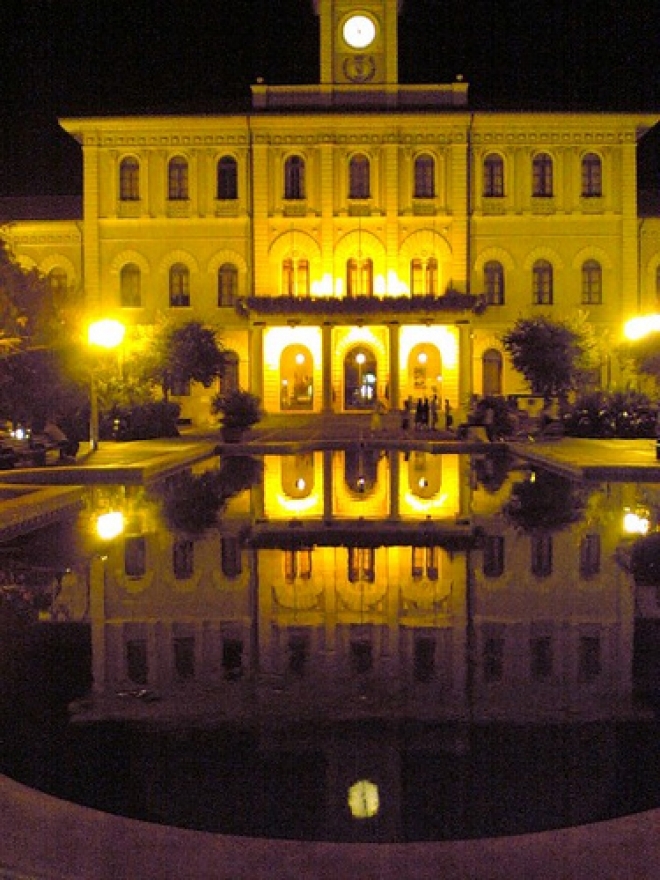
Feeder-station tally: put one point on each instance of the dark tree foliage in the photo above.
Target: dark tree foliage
(192, 502)
(184, 353)
(28, 315)
(645, 355)
(545, 501)
(548, 353)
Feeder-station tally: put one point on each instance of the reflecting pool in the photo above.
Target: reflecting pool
(352, 645)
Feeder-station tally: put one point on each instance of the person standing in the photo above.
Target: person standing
(433, 412)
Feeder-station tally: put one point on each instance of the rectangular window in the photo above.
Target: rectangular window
(542, 284)
(232, 657)
(493, 556)
(424, 659)
(183, 559)
(361, 657)
(230, 550)
(361, 564)
(417, 568)
(589, 658)
(590, 555)
(540, 652)
(137, 667)
(493, 659)
(184, 657)
(298, 653)
(135, 556)
(541, 555)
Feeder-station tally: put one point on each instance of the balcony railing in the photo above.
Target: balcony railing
(451, 301)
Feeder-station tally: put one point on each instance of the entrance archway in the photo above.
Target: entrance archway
(296, 379)
(425, 371)
(360, 378)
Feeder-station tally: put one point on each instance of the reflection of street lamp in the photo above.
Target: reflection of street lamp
(103, 334)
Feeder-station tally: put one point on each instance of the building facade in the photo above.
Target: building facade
(357, 239)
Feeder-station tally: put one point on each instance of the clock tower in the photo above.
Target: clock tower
(358, 41)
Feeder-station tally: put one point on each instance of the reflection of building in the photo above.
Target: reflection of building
(311, 587)
(406, 649)
(358, 238)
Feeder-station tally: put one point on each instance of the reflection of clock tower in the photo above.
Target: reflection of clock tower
(358, 41)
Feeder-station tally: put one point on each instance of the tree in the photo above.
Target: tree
(553, 356)
(182, 353)
(28, 316)
(644, 353)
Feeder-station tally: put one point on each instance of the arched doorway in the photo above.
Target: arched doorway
(296, 379)
(492, 372)
(360, 378)
(424, 371)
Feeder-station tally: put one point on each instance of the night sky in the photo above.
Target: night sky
(96, 57)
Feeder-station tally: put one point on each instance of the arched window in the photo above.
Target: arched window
(491, 364)
(179, 286)
(295, 277)
(129, 179)
(227, 284)
(129, 284)
(493, 176)
(177, 179)
(424, 277)
(542, 283)
(592, 176)
(294, 178)
(424, 177)
(359, 185)
(229, 375)
(592, 283)
(59, 283)
(542, 175)
(360, 278)
(494, 283)
(227, 178)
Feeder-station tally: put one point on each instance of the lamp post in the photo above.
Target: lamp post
(106, 334)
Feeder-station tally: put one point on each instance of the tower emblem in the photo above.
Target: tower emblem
(359, 68)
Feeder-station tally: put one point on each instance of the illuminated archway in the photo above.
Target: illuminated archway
(296, 378)
(425, 371)
(360, 378)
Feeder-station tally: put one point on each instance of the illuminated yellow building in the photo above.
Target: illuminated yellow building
(358, 239)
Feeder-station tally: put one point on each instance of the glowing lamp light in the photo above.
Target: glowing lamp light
(636, 328)
(300, 358)
(106, 333)
(422, 357)
(110, 525)
(363, 799)
(635, 524)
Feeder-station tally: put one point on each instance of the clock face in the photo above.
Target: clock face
(359, 31)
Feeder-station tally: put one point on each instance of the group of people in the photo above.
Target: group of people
(424, 415)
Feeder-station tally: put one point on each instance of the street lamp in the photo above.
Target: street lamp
(106, 334)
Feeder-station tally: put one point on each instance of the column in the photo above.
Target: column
(326, 354)
(256, 365)
(395, 390)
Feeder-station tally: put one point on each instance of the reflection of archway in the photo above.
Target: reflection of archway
(492, 371)
(425, 371)
(296, 378)
(360, 378)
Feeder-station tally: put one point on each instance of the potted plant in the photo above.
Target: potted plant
(239, 410)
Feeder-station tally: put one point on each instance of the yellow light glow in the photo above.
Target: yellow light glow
(288, 506)
(636, 328)
(363, 799)
(425, 505)
(107, 333)
(110, 525)
(634, 524)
